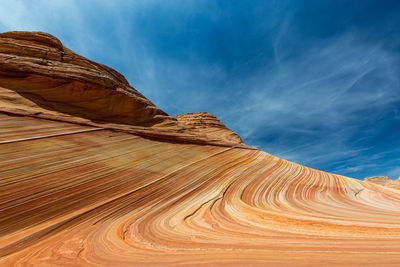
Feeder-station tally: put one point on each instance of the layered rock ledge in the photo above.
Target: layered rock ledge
(208, 125)
(40, 74)
(41, 77)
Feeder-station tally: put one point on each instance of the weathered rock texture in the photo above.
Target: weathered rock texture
(78, 193)
(40, 77)
(208, 125)
(385, 181)
(40, 73)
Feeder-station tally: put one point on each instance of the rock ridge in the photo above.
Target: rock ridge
(41, 77)
(207, 124)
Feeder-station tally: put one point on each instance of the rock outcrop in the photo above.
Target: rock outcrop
(40, 77)
(39, 74)
(206, 124)
(93, 174)
(385, 181)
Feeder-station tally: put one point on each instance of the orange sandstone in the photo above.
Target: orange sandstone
(93, 174)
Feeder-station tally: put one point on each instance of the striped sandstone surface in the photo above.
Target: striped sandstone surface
(94, 174)
(207, 124)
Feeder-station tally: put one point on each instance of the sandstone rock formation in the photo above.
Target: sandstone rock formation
(42, 78)
(385, 181)
(206, 124)
(93, 174)
(42, 75)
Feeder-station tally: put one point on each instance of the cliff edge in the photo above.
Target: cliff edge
(40, 77)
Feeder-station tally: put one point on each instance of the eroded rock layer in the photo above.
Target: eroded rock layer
(385, 181)
(208, 125)
(40, 75)
(76, 192)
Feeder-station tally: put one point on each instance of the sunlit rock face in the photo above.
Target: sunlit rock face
(40, 73)
(84, 184)
(207, 124)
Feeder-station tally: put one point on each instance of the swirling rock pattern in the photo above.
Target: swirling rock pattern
(75, 192)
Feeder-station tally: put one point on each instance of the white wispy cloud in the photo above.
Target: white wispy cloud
(394, 173)
(320, 91)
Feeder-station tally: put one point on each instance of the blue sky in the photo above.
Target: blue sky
(315, 82)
